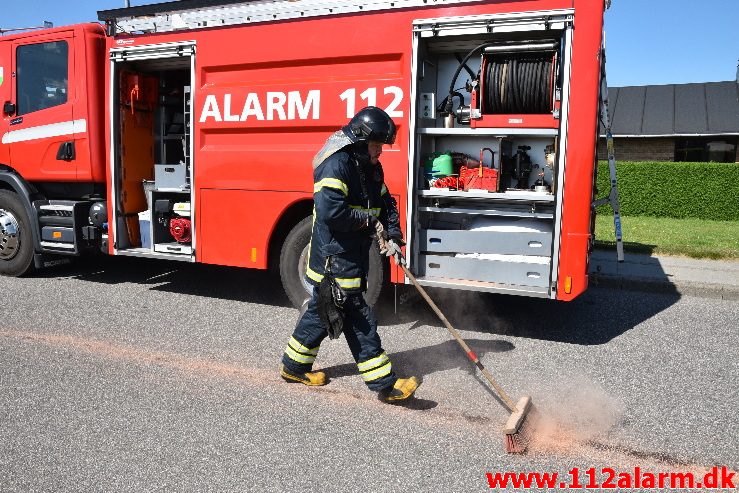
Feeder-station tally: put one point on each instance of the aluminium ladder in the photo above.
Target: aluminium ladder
(612, 198)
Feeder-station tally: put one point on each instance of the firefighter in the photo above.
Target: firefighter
(352, 206)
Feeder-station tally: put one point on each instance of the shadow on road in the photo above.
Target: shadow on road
(424, 361)
(212, 281)
(430, 359)
(596, 317)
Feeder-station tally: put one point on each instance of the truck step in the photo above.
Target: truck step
(60, 225)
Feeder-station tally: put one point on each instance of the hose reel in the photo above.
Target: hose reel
(517, 83)
(514, 79)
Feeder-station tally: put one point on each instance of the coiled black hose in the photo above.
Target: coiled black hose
(448, 106)
(518, 83)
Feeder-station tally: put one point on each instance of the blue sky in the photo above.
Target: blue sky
(648, 41)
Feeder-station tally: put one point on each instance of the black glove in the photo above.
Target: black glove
(331, 299)
(377, 227)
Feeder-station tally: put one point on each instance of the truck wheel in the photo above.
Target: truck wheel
(16, 240)
(294, 261)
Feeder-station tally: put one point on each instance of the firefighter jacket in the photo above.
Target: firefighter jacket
(341, 234)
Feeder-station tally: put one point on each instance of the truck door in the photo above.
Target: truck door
(41, 129)
(4, 97)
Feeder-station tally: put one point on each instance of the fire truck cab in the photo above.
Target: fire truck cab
(52, 146)
(185, 131)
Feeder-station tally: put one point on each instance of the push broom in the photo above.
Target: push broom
(519, 428)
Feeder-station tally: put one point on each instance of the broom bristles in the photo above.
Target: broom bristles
(521, 426)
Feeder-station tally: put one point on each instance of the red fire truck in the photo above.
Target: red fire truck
(185, 131)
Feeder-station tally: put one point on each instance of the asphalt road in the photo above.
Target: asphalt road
(138, 375)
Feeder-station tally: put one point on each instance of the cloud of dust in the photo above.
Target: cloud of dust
(577, 411)
(576, 417)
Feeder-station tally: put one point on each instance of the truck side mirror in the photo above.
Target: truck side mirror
(9, 108)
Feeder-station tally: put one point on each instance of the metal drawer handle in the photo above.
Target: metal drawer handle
(535, 244)
(434, 266)
(533, 275)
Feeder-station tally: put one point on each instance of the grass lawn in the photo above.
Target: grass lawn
(696, 238)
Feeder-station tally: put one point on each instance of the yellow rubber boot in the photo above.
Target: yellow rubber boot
(403, 389)
(310, 378)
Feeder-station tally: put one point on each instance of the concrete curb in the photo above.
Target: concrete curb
(682, 288)
(703, 278)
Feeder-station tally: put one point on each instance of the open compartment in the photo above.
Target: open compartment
(152, 156)
(490, 109)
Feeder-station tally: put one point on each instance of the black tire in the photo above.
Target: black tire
(16, 237)
(293, 262)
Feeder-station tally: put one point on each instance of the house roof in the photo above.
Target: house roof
(709, 108)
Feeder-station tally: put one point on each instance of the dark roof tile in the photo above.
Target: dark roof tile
(629, 110)
(690, 109)
(659, 110)
(722, 101)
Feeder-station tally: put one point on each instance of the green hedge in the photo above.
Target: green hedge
(679, 190)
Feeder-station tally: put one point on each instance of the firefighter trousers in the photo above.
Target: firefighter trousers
(360, 331)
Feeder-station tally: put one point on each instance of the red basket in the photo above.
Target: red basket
(480, 178)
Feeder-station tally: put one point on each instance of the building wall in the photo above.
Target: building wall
(649, 148)
(639, 149)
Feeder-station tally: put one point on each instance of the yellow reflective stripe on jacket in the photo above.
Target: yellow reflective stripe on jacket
(313, 274)
(350, 282)
(383, 191)
(295, 344)
(380, 372)
(375, 211)
(300, 358)
(373, 363)
(346, 283)
(331, 183)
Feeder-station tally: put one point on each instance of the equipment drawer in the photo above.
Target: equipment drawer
(173, 247)
(501, 242)
(170, 176)
(506, 269)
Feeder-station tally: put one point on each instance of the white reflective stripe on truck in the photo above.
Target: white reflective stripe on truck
(44, 131)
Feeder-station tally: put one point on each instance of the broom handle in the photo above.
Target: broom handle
(470, 354)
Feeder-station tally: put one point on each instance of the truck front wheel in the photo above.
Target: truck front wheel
(294, 262)
(16, 240)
